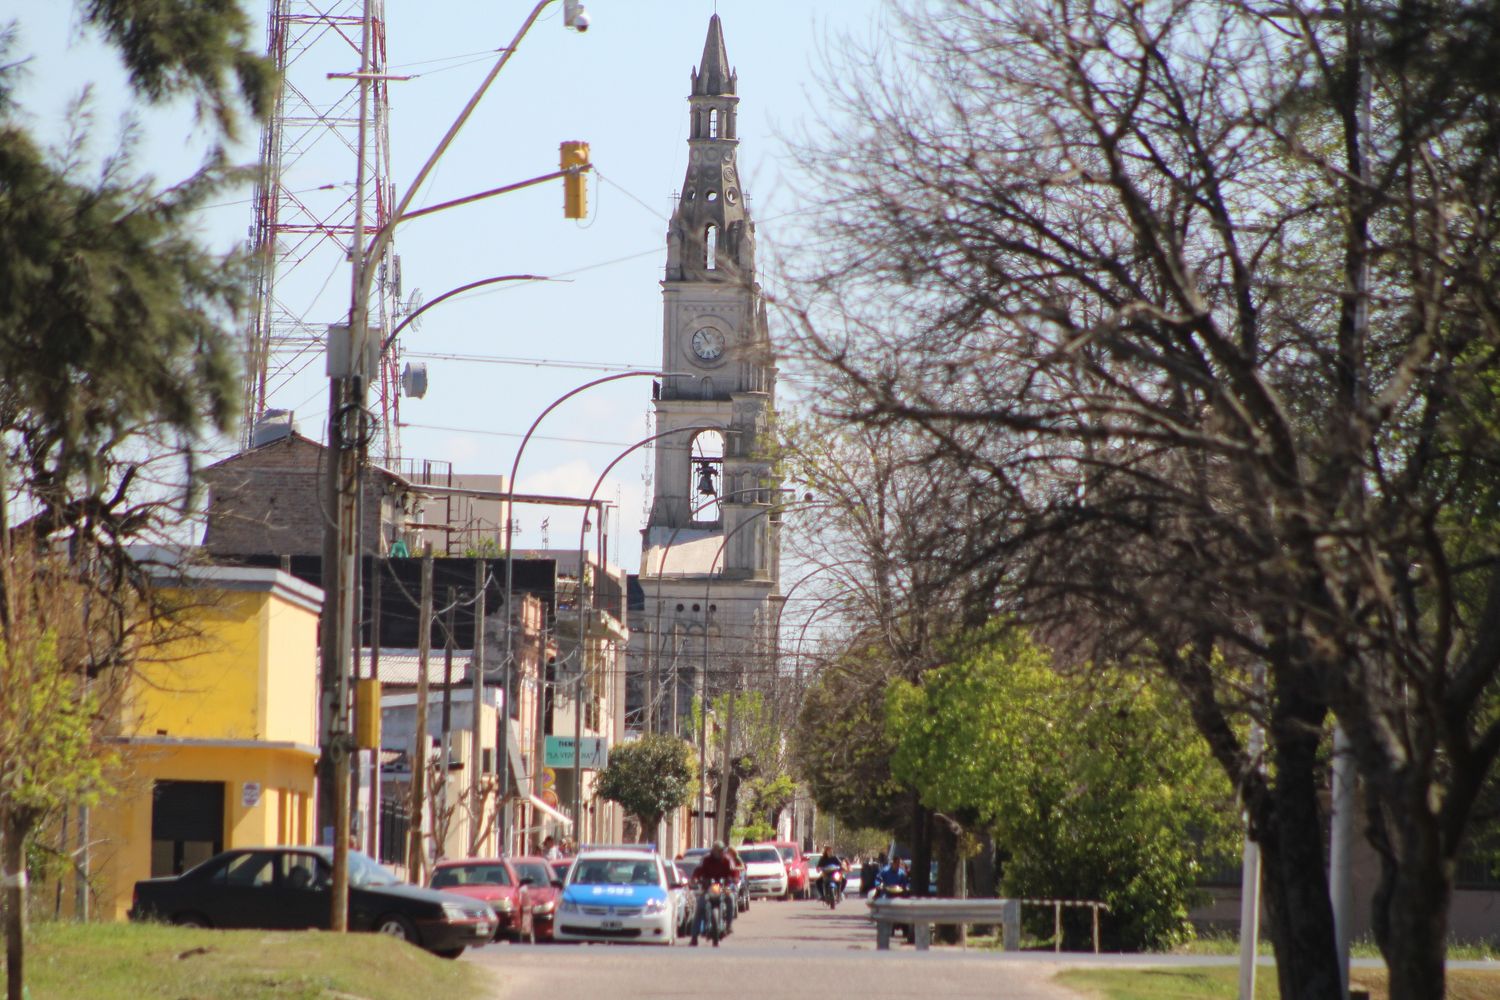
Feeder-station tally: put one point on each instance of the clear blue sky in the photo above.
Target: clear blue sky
(623, 87)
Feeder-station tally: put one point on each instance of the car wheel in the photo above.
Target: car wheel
(397, 926)
(191, 920)
(449, 953)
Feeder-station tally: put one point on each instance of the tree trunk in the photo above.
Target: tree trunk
(13, 869)
(921, 847)
(1290, 831)
(1411, 902)
(945, 843)
(984, 877)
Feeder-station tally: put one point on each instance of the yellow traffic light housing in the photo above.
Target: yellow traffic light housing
(367, 714)
(574, 155)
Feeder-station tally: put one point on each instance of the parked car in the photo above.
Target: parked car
(796, 868)
(687, 899)
(519, 890)
(618, 896)
(544, 889)
(560, 869)
(765, 872)
(286, 888)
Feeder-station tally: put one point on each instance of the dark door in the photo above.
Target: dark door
(244, 892)
(187, 824)
(304, 897)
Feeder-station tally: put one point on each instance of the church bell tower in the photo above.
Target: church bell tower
(719, 376)
(704, 621)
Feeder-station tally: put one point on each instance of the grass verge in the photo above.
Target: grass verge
(1229, 944)
(1222, 983)
(97, 961)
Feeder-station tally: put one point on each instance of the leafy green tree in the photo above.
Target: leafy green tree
(768, 797)
(1094, 791)
(842, 748)
(649, 777)
(117, 355)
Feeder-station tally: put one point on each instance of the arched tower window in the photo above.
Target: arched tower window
(713, 124)
(707, 471)
(711, 248)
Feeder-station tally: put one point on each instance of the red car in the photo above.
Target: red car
(520, 891)
(796, 868)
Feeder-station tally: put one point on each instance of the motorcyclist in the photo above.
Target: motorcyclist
(715, 865)
(892, 875)
(826, 861)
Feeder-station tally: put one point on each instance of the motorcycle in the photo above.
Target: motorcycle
(833, 886)
(894, 892)
(714, 900)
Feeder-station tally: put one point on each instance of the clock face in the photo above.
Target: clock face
(708, 344)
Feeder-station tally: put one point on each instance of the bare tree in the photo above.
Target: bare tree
(1206, 292)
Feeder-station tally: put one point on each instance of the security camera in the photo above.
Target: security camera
(581, 22)
(575, 16)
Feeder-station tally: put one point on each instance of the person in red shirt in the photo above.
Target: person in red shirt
(715, 865)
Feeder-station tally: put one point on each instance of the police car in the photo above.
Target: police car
(617, 895)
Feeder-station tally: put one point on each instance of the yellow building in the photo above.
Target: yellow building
(219, 735)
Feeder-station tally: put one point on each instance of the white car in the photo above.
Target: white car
(617, 895)
(765, 872)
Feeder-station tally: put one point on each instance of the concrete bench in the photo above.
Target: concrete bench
(922, 914)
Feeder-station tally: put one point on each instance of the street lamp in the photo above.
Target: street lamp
(510, 487)
(583, 610)
(348, 376)
(729, 720)
(653, 680)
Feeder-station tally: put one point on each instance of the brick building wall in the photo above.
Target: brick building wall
(271, 500)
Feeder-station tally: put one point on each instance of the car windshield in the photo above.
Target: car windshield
(364, 872)
(788, 854)
(451, 875)
(759, 855)
(614, 871)
(534, 870)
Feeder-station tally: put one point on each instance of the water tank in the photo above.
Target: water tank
(273, 425)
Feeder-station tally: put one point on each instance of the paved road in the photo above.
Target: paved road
(779, 951)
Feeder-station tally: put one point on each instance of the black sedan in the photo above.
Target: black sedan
(286, 888)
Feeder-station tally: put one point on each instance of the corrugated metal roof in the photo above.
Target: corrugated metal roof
(402, 666)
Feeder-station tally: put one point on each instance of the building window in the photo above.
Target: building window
(713, 124)
(711, 248)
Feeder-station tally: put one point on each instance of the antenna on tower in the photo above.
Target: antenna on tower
(304, 209)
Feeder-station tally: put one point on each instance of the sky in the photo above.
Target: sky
(499, 356)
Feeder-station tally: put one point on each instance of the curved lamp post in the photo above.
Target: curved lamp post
(653, 677)
(583, 609)
(723, 802)
(510, 494)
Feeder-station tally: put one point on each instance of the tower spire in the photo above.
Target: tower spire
(713, 77)
(711, 237)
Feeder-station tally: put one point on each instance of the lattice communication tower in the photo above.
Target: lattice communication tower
(305, 212)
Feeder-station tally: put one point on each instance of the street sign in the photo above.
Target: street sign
(559, 753)
(250, 794)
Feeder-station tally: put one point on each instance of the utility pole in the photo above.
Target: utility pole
(723, 822)
(353, 355)
(372, 835)
(440, 844)
(476, 697)
(346, 443)
(414, 852)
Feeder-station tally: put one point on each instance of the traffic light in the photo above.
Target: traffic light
(575, 187)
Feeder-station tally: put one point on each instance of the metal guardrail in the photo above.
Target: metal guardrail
(922, 914)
